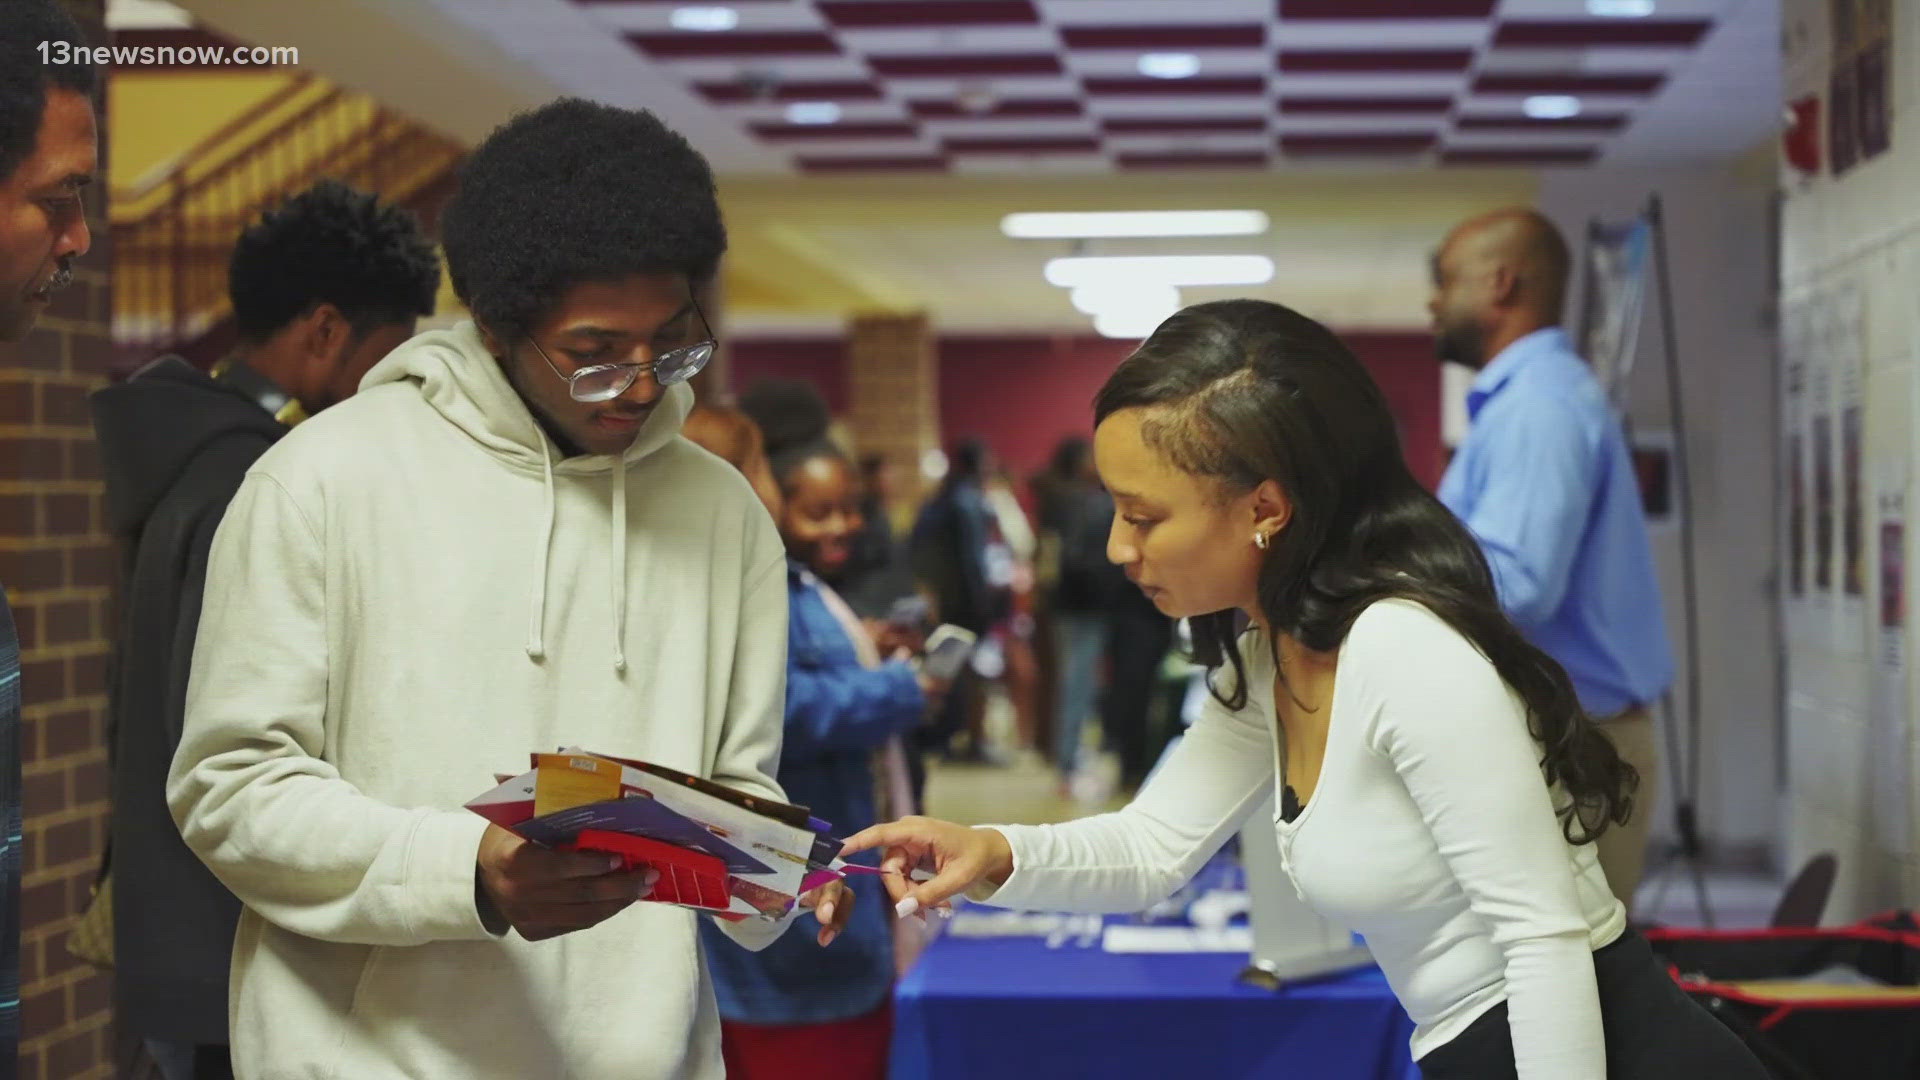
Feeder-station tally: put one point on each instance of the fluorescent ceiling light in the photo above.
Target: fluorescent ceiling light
(1074, 226)
(1140, 296)
(813, 112)
(1551, 106)
(1620, 9)
(1075, 271)
(1129, 325)
(1169, 65)
(707, 19)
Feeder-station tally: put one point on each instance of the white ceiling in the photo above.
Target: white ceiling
(1349, 241)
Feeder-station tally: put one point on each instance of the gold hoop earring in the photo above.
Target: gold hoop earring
(1260, 540)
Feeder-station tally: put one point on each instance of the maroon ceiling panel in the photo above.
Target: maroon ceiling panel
(1165, 37)
(1607, 122)
(787, 132)
(1302, 105)
(919, 14)
(733, 93)
(935, 66)
(1385, 9)
(1181, 125)
(1568, 84)
(1249, 159)
(1634, 32)
(1385, 62)
(706, 46)
(1521, 155)
(834, 164)
(1223, 86)
(1049, 145)
(1012, 109)
(1411, 142)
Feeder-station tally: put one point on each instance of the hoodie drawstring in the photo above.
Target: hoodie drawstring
(536, 619)
(617, 558)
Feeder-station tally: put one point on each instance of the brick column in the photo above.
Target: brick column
(57, 565)
(894, 385)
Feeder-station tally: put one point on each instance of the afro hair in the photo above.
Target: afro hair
(331, 244)
(25, 79)
(576, 191)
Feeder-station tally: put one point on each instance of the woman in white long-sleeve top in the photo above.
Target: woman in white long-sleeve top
(1440, 785)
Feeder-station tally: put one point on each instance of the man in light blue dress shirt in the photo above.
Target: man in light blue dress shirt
(1545, 482)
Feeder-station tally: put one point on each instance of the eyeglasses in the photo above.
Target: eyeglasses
(604, 382)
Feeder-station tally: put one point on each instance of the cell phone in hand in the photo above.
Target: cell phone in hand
(948, 648)
(910, 613)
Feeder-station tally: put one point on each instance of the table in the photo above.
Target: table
(977, 1008)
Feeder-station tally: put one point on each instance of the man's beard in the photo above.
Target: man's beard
(1461, 343)
(61, 277)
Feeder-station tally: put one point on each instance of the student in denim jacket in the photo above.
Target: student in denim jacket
(795, 1010)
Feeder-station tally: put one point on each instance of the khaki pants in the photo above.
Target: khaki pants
(1623, 848)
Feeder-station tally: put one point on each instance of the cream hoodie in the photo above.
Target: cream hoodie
(409, 594)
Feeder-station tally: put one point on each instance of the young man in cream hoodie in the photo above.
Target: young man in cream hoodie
(501, 544)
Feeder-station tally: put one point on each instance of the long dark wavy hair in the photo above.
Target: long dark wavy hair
(1245, 391)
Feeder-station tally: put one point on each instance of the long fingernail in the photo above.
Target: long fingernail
(615, 862)
(826, 912)
(906, 907)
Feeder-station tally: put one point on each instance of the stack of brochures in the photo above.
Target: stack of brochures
(717, 849)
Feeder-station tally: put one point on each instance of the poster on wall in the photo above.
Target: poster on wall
(1848, 358)
(1889, 721)
(1822, 475)
(1794, 546)
(1873, 29)
(1858, 72)
(1843, 107)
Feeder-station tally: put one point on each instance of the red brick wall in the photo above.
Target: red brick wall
(1022, 394)
(57, 566)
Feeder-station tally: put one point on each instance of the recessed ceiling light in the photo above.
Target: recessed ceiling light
(705, 19)
(1075, 226)
(1620, 9)
(1551, 107)
(1074, 271)
(813, 112)
(1169, 65)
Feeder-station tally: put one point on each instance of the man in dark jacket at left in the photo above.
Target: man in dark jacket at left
(322, 287)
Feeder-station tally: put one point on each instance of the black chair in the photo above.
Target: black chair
(1805, 900)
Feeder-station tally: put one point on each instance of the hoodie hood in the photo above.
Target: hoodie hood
(462, 381)
(151, 425)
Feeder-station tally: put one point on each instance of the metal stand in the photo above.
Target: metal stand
(1682, 768)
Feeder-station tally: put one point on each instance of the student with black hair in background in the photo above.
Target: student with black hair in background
(322, 287)
(792, 1011)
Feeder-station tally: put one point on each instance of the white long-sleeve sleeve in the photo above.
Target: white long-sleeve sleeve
(1132, 858)
(250, 787)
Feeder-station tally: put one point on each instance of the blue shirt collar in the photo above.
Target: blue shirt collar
(1494, 377)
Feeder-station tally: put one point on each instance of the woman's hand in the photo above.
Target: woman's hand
(959, 857)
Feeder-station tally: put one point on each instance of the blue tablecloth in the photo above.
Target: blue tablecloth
(1008, 1008)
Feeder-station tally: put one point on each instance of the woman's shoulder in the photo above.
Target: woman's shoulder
(1402, 636)
(1399, 618)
